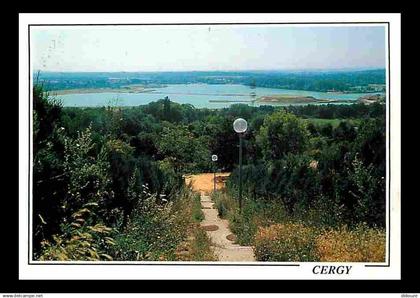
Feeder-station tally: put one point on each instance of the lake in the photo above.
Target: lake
(196, 94)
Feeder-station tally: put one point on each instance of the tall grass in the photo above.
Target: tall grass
(286, 242)
(197, 245)
(197, 213)
(299, 243)
(244, 223)
(360, 244)
(200, 247)
(307, 235)
(155, 231)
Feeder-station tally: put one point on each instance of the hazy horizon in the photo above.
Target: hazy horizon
(207, 48)
(221, 70)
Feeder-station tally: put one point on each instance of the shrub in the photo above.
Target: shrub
(201, 247)
(245, 224)
(197, 213)
(282, 133)
(287, 242)
(254, 213)
(154, 230)
(361, 244)
(223, 203)
(82, 239)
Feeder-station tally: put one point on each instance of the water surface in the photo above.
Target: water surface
(196, 94)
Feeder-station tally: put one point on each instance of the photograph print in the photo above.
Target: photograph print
(206, 143)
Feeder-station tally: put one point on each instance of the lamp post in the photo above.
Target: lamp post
(240, 126)
(214, 159)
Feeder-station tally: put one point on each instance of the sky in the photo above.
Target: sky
(206, 47)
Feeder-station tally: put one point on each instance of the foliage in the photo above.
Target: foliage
(223, 203)
(244, 225)
(282, 133)
(184, 152)
(368, 192)
(289, 242)
(48, 172)
(319, 165)
(349, 81)
(197, 213)
(82, 240)
(200, 247)
(295, 242)
(88, 180)
(151, 233)
(362, 244)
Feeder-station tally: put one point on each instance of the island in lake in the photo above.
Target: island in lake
(369, 99)
(296, 99)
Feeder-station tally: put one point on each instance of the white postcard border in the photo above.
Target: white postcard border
(157, 270)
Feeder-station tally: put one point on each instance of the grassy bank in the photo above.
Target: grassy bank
(197, 246)
(154, 232)
(278, 236)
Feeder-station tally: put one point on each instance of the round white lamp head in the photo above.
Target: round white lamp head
(214, 157)
(240, 125)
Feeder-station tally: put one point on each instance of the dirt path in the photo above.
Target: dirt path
(217, 228)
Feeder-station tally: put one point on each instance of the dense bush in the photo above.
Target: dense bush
(152, 233)
(340, 173)
(362, 244)
(289, 242)
(49, 183)
(282, 133)
(197, 213)
(223, 203)
(80, 165)
(82, 239)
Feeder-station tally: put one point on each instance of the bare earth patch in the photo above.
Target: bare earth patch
(204, 183)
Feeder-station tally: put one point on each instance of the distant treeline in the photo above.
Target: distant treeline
(341, 81)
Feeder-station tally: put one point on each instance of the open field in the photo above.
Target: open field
(204, 182)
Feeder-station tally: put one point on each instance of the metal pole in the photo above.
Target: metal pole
(240, 173)
(214, 179)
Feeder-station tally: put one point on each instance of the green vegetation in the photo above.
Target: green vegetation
(197, 213)
(298, 242)
(201, 247)
(286, 242)
(108, 181)
(312, 185)
(335, 81)
(322, 122)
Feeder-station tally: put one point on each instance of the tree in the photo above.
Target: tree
(182, 150)
(282, 133)
(49, 181)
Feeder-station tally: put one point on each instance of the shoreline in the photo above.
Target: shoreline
(135, 88)
(291, 99)
(100, 90)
